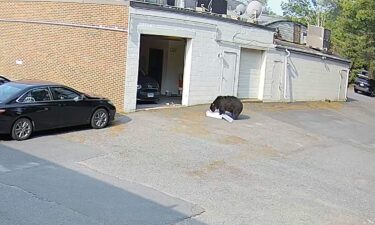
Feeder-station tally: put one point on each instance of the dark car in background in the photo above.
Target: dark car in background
(28, 106)
(364, 85)
(148, 89)
(3, 80)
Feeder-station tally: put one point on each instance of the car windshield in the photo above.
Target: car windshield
(9, 90)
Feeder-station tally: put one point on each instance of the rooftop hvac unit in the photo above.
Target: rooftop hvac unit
(215, 6)
(171, 2)
(318, 38)
(190, 4)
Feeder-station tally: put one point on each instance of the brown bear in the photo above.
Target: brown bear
(227, 104)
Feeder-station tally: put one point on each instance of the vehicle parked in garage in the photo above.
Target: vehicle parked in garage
(364, 85)
(3, 80)
(148, 89)
(28, 106)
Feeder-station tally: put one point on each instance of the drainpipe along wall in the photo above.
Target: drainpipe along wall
(286, 71)
(340, 84)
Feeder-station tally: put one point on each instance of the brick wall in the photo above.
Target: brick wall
(42, 36)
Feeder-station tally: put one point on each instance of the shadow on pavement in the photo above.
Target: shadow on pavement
(243, 117)
(36, 191)
(351, 100)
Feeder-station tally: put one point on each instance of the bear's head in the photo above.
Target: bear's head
(216, 103)
(212, 107)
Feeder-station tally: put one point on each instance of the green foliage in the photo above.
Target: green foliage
(354, 33)
(314, 12)
(298, 10)
(352, 23)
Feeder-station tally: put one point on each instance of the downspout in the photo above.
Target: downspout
(347, 83)
(340, 86)
(286, 70)
(338, 94)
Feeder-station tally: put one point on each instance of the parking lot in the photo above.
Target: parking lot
(299, 163)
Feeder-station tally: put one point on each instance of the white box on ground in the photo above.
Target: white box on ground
(217, 115)
(227, 118)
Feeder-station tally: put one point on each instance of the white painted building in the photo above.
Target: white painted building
(298, 73)
(206, 55)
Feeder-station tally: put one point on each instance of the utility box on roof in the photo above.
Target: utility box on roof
(190, 4)
(318, 37)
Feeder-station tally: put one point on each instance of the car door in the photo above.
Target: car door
(74, 109)
(38, 105)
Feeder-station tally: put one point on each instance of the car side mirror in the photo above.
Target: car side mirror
(79, 98)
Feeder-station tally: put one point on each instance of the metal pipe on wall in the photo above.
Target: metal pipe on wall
(341, 78)
(286, 70)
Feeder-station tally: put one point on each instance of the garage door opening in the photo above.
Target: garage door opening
(161, 71)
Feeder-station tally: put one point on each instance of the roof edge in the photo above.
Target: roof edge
(142, 5)
(284, 20)
(320, 54)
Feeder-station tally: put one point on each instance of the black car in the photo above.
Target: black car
(28, 106)
(364, 85)
(148, 89)
(3, 80)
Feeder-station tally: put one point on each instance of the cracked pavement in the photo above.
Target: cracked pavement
(301, 163)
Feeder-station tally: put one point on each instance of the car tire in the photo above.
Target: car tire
(355, 90)
(22, 129)
(99, 119)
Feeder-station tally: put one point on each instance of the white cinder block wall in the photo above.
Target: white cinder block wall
(210, 38)
(176, 55)
(309, 77)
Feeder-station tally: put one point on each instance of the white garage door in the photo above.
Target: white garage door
(250, 65)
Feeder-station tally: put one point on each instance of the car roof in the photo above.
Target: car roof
(36, 83)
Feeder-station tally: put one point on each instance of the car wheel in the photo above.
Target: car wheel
(99, 119)
(22, 129)
(355, 90)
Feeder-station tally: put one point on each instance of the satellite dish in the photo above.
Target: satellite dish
(240, 9)
(254, 9)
